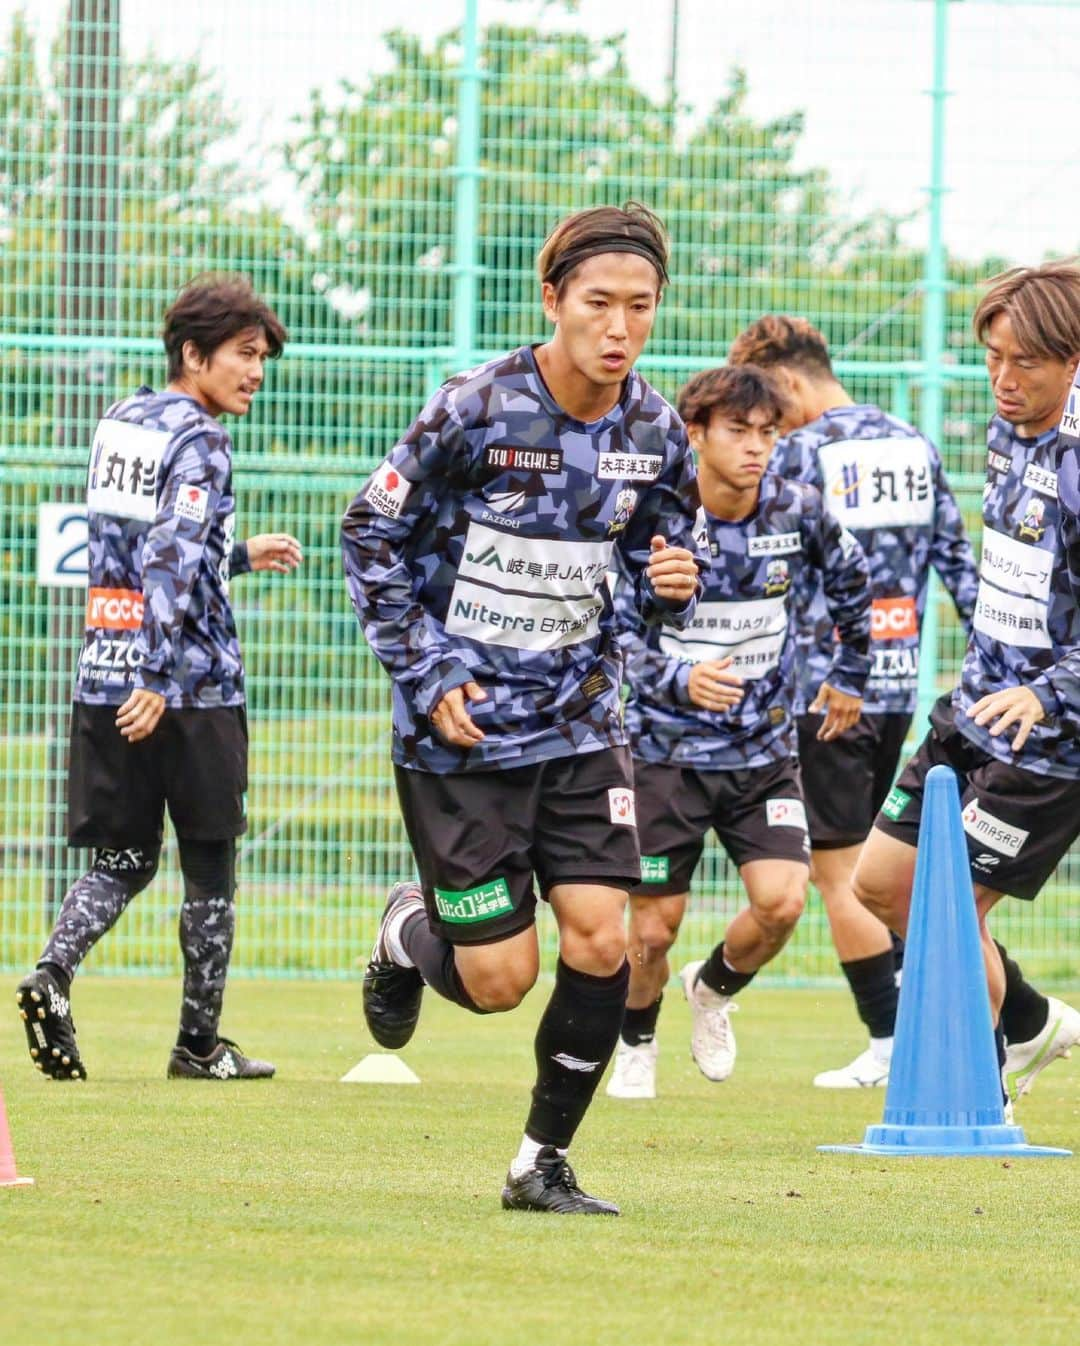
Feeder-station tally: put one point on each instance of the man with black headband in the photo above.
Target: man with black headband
(476, 558)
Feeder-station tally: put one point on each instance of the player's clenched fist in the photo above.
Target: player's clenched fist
(672, 571)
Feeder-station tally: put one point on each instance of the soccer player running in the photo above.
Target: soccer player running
(476, 558)
(883, 480)
(158, 717)
(1010, 729)
(711, 723)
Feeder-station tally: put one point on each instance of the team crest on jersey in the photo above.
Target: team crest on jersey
(1031, 524)
(624, 508)
(777, 577)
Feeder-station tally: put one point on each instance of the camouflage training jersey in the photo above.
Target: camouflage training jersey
(884, 481)
(1026, 628)
(745, 611)
(478, 551)
(162, 519)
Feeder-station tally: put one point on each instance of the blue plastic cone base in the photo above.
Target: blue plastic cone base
(944, 1092)
(989, 1142)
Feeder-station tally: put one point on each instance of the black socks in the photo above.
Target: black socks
(574, 1042)
(873, 984)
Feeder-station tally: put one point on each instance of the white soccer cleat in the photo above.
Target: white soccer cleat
(712, 1042)
(634, 1074)
(867, 1071)
(1024, 1060)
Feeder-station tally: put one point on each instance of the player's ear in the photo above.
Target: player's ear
(193, 360)
(550, 298)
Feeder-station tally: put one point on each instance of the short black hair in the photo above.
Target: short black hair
(732, 390)
(212, 308)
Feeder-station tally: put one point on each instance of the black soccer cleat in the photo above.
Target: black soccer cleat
(225, 1062)
(392, 993)
(50, 1030)
(550, 1186)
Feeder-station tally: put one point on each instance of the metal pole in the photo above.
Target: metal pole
(466, 194)
(87, 306)
(935, 287)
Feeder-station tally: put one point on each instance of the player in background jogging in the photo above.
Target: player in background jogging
(712, 724)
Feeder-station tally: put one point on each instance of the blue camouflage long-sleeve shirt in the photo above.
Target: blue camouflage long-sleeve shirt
(758, 565)
(1026, 628)
(478, 551)
(162, 521)
(882, 479)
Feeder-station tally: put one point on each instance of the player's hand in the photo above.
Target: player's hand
(841, 711)
(453, 722)
(138, 717)
(712, 687)
(274, 551)
(672, 571)
(1013, 705)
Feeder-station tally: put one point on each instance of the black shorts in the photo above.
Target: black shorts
(845, 781)
(757, 813)
(479, 837)
(195, 762)
(1018, 823)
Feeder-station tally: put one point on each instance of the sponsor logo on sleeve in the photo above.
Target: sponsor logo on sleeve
(991, 831)
(629, 466)
(773, 544)
(191, 503)
(387, 491)
(895, 803)
(510, 458)
(114, 609)
(655, 868)
(621, 806)
(483, 903)
(893, 619)
(1041, 479)
(785, 813)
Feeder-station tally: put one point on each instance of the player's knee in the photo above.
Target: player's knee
(779, 915)
(133, 866)
(599, 952)
(494, 991)
(876, 895)
(653, 934)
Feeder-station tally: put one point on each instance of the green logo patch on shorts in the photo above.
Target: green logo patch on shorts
(476, 904)
(896, 803)
(655, 869)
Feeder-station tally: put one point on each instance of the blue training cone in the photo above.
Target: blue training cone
(944, 1095)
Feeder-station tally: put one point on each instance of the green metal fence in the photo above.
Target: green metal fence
(388, 192)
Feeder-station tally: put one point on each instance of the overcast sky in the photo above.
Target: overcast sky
(858, 68)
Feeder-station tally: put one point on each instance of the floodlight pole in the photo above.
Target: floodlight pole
(465, 268)
(935, 287)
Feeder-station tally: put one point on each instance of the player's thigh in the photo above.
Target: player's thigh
(1018, 825)
(203, 759)
(674, 814)
(884, 876)
(116, 798)
(759, 815)
(584, 829)
(837, 782)
(471, 836)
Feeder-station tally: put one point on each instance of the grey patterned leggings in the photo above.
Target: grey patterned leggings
(95, 902)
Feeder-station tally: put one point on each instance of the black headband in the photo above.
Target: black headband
(574, 256)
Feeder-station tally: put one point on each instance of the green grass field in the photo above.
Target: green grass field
(303, 1210)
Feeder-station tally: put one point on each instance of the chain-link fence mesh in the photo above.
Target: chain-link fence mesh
(387, 191)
